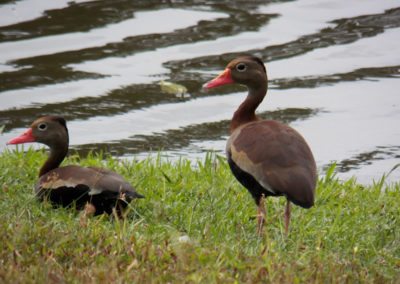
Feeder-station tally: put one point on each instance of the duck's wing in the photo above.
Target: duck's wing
(95, 180)
(277, 157)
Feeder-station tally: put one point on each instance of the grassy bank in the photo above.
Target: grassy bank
(195, 225)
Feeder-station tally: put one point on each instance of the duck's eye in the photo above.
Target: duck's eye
(241, 67)
(42, 126)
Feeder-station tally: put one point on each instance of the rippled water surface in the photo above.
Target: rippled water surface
(334, 70)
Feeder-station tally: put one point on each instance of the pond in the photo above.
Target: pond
(333, 67)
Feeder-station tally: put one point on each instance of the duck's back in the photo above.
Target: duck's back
(271, 158)
(74, 185)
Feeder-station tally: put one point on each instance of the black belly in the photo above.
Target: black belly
(249, 182)
(78, 197)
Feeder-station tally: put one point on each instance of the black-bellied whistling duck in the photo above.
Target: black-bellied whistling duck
(74, 185)
(267, 157)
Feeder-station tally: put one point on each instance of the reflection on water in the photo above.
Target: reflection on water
(333, 69)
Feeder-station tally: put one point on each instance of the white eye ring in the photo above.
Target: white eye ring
(241, 67)
(42, 127)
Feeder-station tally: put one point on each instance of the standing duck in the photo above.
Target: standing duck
(74, 185)
(267, 157)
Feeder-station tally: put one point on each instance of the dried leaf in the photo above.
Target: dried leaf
(172, 88)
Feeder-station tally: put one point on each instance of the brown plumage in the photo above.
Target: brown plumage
(267, 157)
(74, 185)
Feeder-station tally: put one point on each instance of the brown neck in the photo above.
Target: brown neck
(246, 111)
(56, 156)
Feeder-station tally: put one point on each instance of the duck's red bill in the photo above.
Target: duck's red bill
(25, 137)
(222, 79)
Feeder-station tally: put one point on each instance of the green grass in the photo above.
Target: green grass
(352, 234)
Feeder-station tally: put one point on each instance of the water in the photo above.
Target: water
(333, 66)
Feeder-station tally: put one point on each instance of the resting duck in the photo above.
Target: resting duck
(74, 185)
(267, 157)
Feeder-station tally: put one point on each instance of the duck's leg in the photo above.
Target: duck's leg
(261, 215)
(287, 216)
(89, 209)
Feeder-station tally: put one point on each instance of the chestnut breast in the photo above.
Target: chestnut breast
(277, 157)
